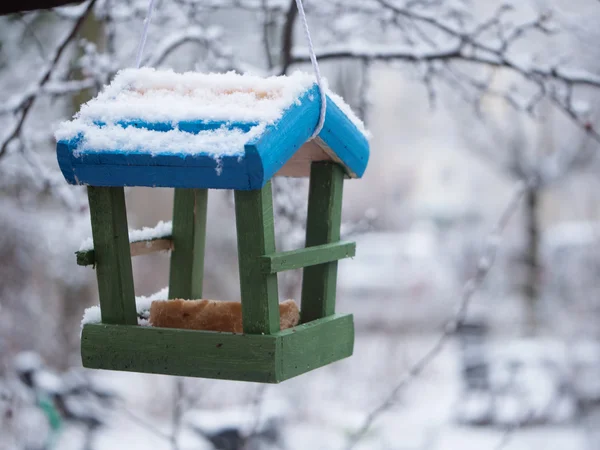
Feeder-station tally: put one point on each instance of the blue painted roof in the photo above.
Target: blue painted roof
(249, 154)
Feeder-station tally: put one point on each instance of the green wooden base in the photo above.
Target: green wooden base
(243, 357)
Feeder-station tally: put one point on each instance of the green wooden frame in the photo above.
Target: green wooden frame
(244, 357)
(262, 353)
(304, 257)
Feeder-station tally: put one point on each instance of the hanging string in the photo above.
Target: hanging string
(315, 65)
(140, 51)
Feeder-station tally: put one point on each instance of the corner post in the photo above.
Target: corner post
(322, 227)
(256, 238)
(113, 259)
(186, 272)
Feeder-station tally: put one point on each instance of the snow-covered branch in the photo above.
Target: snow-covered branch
(23, 106)
(461, 55)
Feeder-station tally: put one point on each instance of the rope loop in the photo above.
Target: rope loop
(315, 65)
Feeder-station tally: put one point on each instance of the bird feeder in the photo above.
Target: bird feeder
(195, 132)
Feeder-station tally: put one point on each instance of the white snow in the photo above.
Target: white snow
(142, 306)
(132, 139)
(162, 229)
(165, 96)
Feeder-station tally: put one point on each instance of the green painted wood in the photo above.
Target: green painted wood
(243, 357)
(180, 352)
(256, 237)
(322, 227)
(113, 259)
(187, 257)
(315, 344)
(88, 257)
(200, 213)
(305, 257)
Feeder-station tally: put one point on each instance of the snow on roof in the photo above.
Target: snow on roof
(220, 142)
(164, 96)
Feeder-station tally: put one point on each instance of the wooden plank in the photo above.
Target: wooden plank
(243, 357)
(113, 260)
(299, 164)
(189, 237)
(136, 248)
(305, 257)
(256, 237)
(180, 352)
(315, 344)
(322, 227)
(200, 213)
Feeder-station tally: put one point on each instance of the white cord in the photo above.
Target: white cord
(140, 51)
(315, 65)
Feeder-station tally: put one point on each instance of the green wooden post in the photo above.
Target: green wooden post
(113, 259)
(256, 238)
(200, 213)
(322, 227)
(189, 236)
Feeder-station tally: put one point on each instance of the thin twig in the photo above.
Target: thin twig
(28, 100)
(178, 411)
(484, 266)
(287, 37)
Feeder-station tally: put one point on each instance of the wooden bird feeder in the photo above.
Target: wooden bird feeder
(196, 132)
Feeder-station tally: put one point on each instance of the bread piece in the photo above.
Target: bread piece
(211, 315)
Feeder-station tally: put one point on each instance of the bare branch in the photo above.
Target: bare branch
(470, 288)
(267, 22)
(287, 38)
(24, 107)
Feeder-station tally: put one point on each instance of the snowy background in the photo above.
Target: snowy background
(475, 288)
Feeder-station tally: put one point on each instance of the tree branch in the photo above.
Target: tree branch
(9, 7)
(287, 37)
(470, 288)
(24, 106)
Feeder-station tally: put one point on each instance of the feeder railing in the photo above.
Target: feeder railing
(306, 257)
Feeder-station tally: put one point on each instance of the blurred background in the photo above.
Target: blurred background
(475, 288)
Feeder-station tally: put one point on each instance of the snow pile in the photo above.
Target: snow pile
(142, 307)
(161, 230)
(220, 142)
(164, 97)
